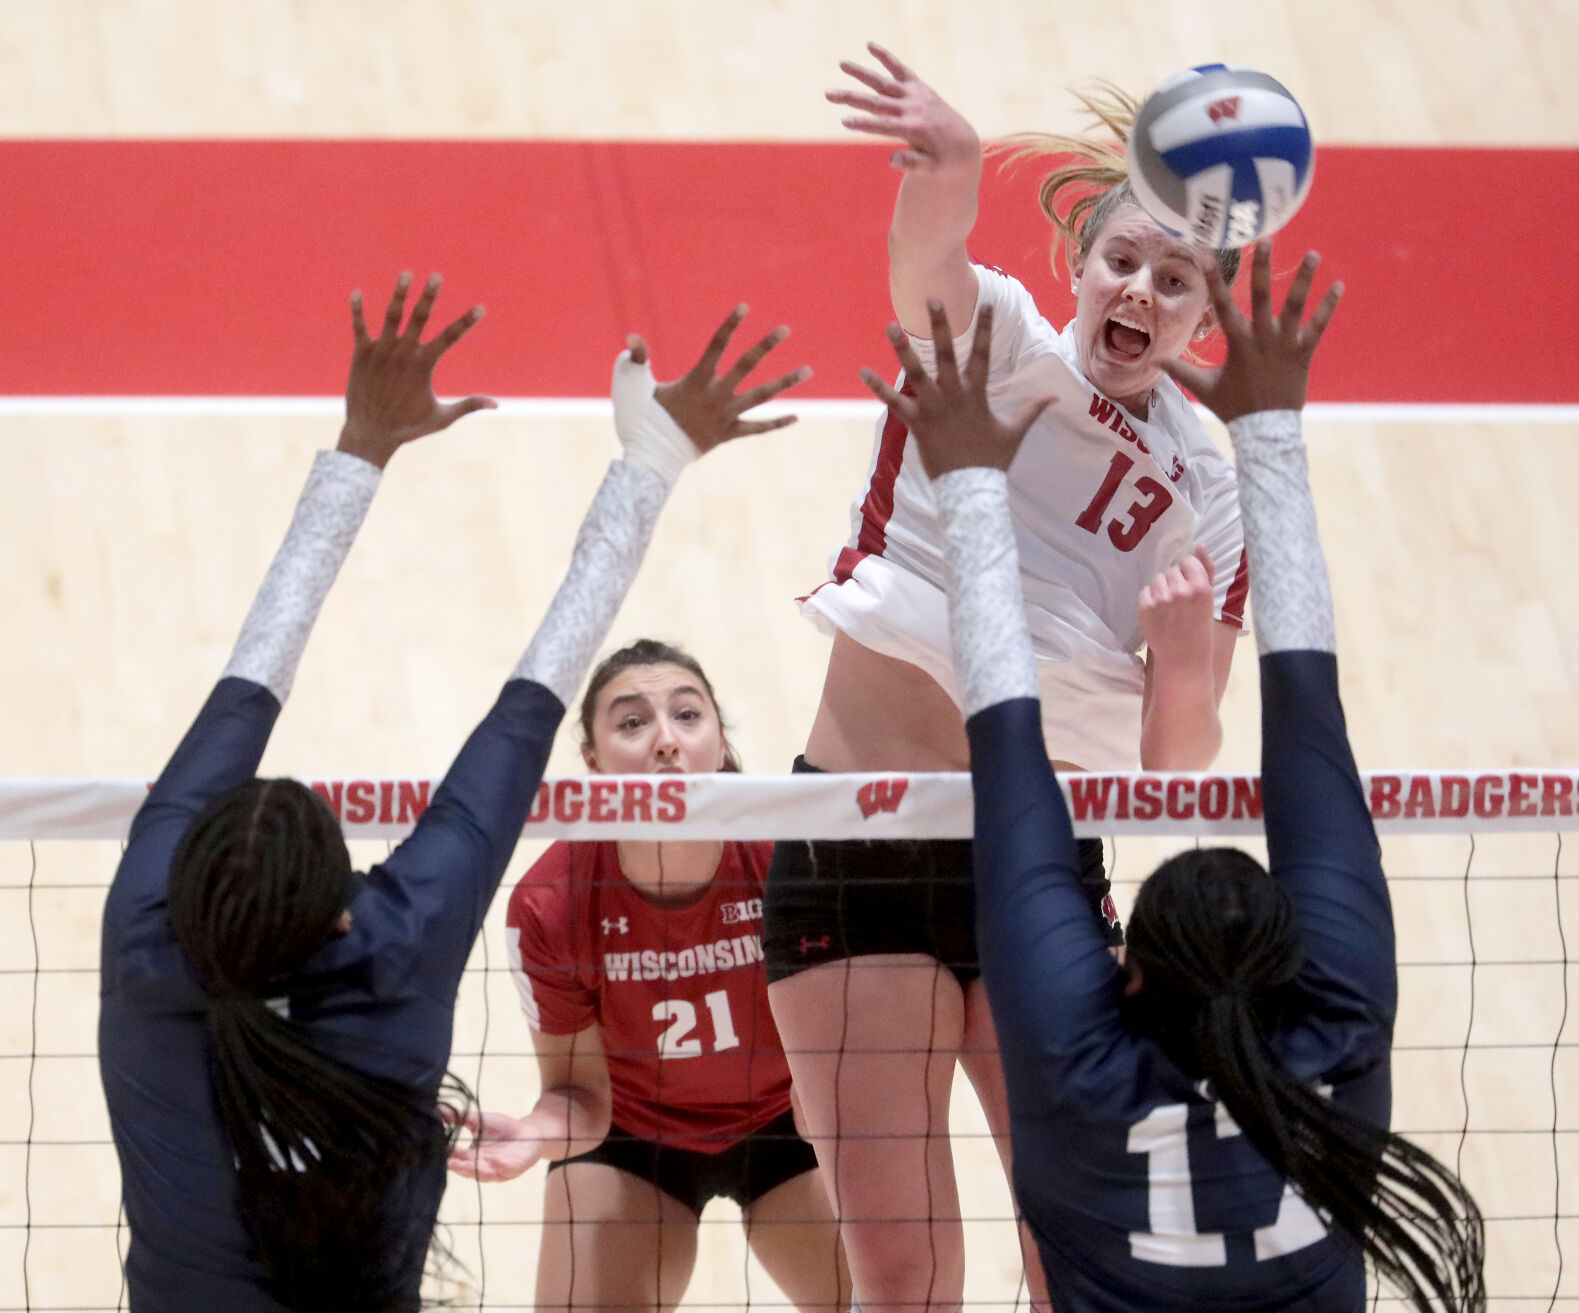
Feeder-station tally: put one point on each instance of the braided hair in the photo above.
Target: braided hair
(1218, 950)
(258, 885)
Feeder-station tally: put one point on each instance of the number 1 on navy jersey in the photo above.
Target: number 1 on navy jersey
(1163, 1136)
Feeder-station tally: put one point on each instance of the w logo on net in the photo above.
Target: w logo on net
(880, 796)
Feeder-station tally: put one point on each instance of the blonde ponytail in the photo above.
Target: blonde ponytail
(1081, 196)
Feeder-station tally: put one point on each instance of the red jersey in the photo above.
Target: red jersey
(679, 993)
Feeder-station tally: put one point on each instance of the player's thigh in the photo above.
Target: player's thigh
(612, 1240)
(983, 1064)
(793, 1234)
(872, 1043)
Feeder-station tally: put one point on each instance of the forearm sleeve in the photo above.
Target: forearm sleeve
(329, 512)
(1320, 838)
(1292, 597)
(992, 648)
(609, 550)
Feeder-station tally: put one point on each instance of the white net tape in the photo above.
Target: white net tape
(892, 806)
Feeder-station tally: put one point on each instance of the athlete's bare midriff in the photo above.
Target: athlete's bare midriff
(880, 713)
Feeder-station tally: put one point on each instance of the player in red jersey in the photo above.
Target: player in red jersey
(639, 967)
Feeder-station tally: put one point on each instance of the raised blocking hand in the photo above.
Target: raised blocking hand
(705, 403)
(1268, 365)
(948, 416)
(389, 398)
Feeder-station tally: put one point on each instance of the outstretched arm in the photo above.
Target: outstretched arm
(936, 207)
(389, 402)
(1043, 955)
(464, 840)
(1320, 837)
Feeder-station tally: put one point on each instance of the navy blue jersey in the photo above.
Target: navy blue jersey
(381, 997)
(1140, 1190)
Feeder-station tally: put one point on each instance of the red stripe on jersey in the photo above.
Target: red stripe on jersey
(1234, 603)
(878, 507)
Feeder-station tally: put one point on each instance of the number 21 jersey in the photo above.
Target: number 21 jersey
(678, 992)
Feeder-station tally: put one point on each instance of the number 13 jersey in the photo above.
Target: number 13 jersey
(678, 992)
(1101, 502)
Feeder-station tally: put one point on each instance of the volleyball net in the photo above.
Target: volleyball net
(1486, 1074)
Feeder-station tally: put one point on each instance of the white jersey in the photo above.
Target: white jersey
(1101, 501)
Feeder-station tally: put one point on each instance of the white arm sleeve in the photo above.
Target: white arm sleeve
(1288, 573)
(609, 550)
(331, 509)
(992, 648)
(613, 537)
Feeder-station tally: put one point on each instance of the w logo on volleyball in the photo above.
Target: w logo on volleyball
(1226, 108)
(880, 796)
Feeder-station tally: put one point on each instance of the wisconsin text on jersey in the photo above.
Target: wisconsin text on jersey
(1110, 413)
(704, 959)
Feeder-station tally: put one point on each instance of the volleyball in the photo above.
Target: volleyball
(1221, 154)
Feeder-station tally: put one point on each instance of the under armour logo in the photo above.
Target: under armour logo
(806, 945)
(622, 924)
(880, 796)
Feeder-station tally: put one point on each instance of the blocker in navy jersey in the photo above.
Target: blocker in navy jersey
(1139, 1188)
(380, 998)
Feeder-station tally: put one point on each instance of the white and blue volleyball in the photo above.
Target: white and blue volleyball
(1221, 154)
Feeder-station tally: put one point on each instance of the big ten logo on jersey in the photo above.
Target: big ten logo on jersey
(1178, 1136)
(604, 802)
(1126, 530)
(880, 796)
(744, 909)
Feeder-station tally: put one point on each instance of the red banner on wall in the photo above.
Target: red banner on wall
(222, 268)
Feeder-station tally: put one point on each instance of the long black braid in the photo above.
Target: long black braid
(1218, 949)
(322, 1149)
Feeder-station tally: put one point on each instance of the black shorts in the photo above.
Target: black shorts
(744, 1172)
(831, 899)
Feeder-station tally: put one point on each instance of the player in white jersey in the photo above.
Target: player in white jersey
(1127, 526)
